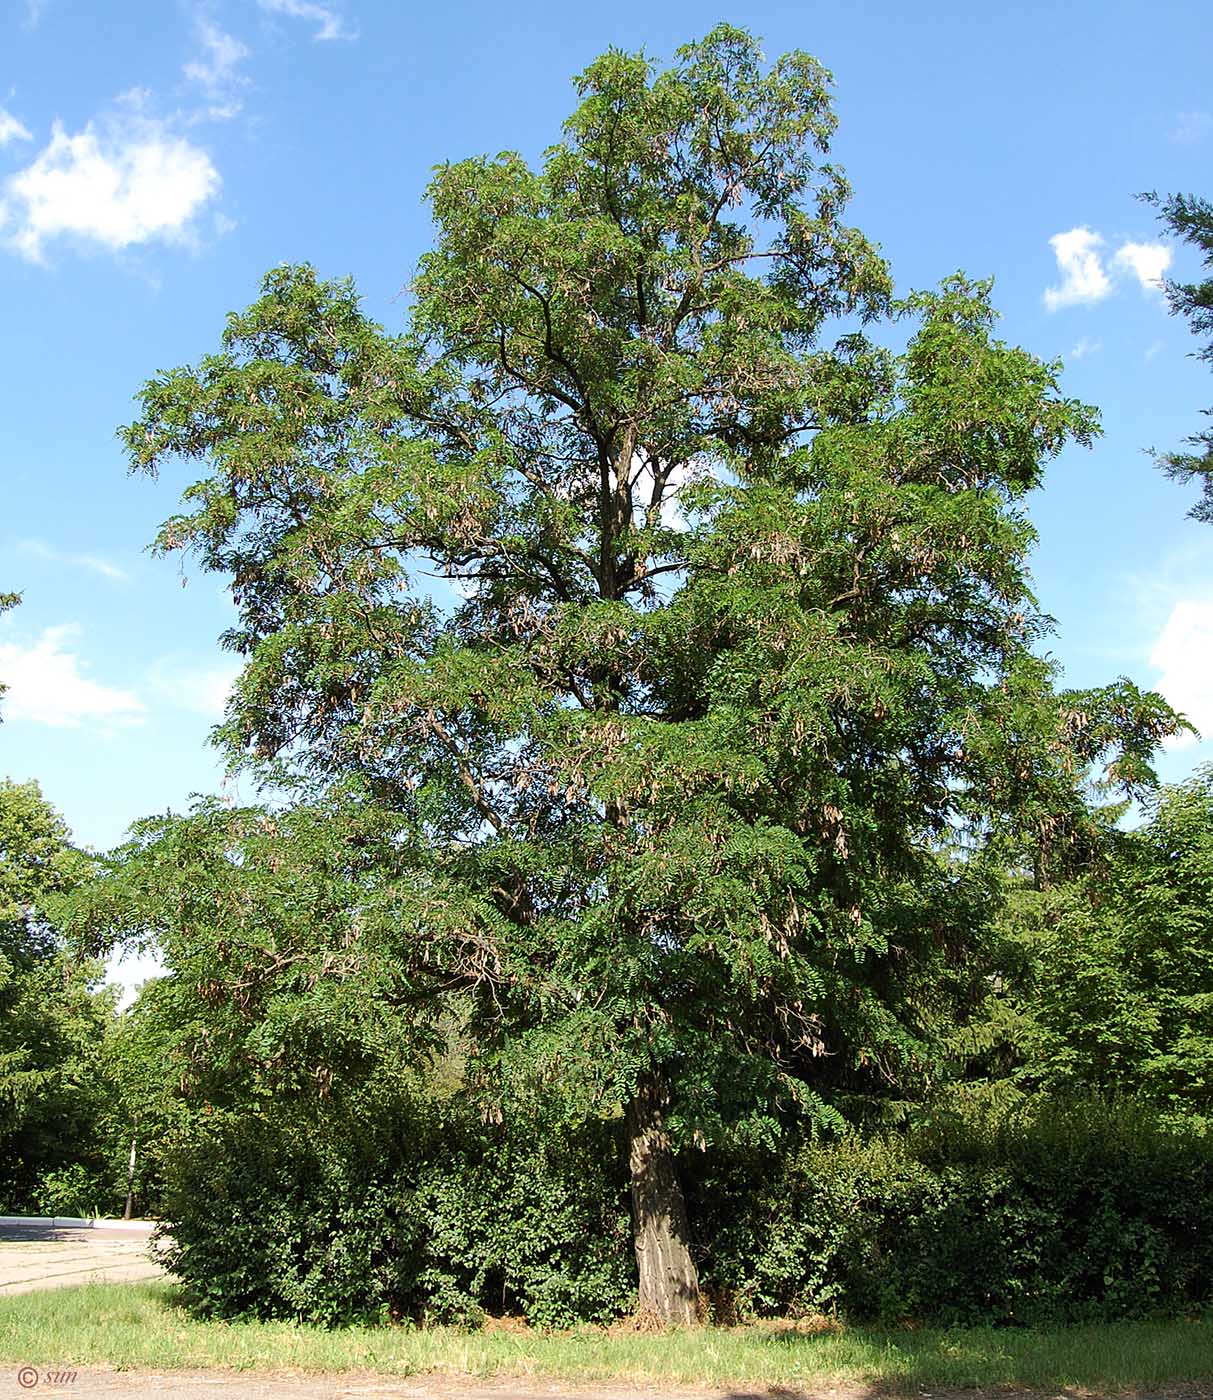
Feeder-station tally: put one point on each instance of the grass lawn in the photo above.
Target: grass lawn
(143, 1325)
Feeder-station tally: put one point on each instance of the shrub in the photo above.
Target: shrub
(1085, 1214)
(71, 1190)
(433, 1217)
(423, 1212)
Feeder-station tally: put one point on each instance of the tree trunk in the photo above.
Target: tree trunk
(669, 1283)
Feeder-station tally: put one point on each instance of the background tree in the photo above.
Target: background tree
(52, 1019)
(1104, 984)
(285, 962)
(740, 643)
(1190, 218)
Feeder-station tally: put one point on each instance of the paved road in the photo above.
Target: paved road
(35, 1256)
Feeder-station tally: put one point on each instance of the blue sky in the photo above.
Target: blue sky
(156, 157)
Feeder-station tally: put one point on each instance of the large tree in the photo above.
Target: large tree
(737, 647)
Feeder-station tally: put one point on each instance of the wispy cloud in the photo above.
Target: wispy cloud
(1146, 261)
(130, 181)
(47, 685)
(216, 68)
(328, 21)
(11, 129)
(1084, 280)
(201, 689)
(1085, 347)
(39, 549)
(1192, 127)
(1164, 619)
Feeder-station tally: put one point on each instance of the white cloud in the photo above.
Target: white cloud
(1085, 347)
(329, 22)
(39, 549)
(672, 514)
(1084, 280)
(136, 184)
(47, 685)
(217, 68)
(1183, 653)
(1156, 347)
(11, 129)
(200, 689)
(1146, 261)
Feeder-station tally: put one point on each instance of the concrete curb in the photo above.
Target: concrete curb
(70, 1222)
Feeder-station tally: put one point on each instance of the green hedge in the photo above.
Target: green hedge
(1085, 1216)
(437, 1217)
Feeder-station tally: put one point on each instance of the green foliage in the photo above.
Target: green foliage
(1190, 218)
(744, 637)
(52, 1018)
(1084, 1213)
(71, 1190)
(142, 1100)
(400, 1210)
(1087, 1213)
(1105, 985)
(302, 947)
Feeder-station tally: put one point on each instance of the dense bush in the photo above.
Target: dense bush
(1084, 1215)
(434, 1216)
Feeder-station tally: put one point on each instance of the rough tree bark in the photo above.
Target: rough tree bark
(669, 1281)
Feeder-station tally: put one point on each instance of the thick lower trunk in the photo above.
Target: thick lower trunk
(669, 1283)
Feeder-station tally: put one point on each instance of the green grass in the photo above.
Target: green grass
(143, 1325)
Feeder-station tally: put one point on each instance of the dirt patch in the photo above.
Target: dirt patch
(812, 1325)
(514, 1326)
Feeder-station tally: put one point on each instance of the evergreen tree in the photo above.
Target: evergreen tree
(1190, 218)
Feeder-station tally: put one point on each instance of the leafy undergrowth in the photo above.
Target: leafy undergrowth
(144, 1325)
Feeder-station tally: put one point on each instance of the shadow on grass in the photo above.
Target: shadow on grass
(1144, 1358)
